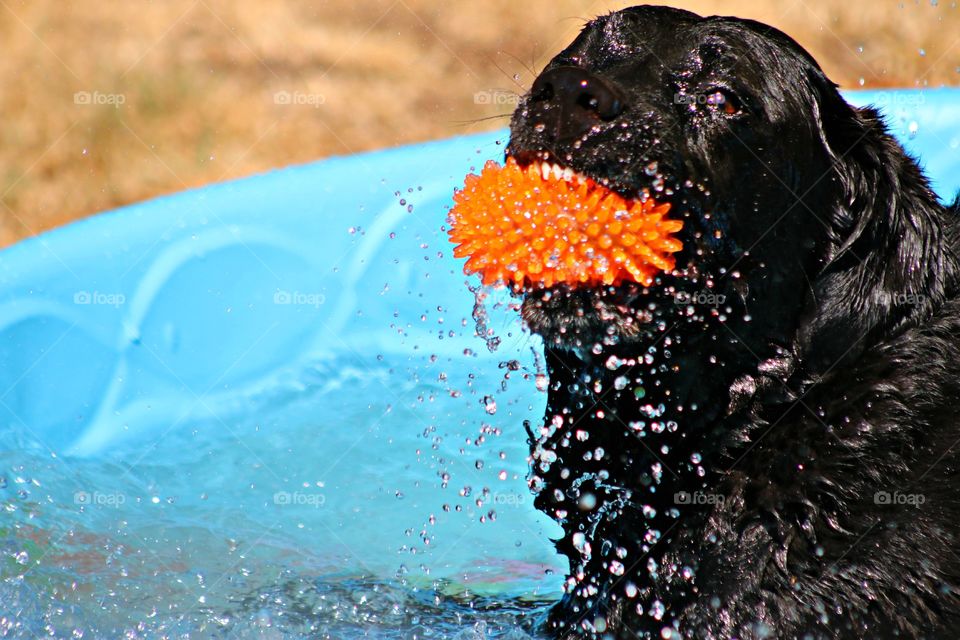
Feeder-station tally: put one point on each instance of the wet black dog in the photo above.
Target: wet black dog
(763, 443)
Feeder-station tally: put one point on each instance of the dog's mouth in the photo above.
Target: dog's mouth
(553, 168)
(579, 315)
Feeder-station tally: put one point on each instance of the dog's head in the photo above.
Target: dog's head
(735, 125)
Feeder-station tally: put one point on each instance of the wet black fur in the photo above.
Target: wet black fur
(765, 442)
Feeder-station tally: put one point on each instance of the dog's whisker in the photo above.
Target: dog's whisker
(499, 116)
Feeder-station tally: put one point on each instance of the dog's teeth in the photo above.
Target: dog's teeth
(555, 171)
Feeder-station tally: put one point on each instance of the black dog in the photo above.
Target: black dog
(764, 442)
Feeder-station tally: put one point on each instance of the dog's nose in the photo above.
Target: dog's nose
(568, 101)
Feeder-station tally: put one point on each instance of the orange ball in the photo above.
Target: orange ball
(522, 229)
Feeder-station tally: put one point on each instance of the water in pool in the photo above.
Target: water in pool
(376, 497)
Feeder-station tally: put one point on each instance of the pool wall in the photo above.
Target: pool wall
(200, 304)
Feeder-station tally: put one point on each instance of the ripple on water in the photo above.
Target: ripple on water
(186, 537)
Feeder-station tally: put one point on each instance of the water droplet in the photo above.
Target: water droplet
(657, 610)
(587, 502)
(580, 543)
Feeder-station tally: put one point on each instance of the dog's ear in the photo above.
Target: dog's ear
(887, 260)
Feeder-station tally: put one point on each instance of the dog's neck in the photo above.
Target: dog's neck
(627, 454)
(635, 442)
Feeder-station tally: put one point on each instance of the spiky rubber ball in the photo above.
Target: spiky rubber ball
(540, 225)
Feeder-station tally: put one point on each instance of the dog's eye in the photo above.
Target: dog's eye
(724, 101)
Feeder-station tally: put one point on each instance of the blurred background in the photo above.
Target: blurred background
(107, 103)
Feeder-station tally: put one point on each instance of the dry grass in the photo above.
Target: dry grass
(199, 79)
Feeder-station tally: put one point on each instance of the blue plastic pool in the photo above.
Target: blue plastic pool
(260, 409)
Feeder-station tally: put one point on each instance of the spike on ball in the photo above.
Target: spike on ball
(524, 227)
